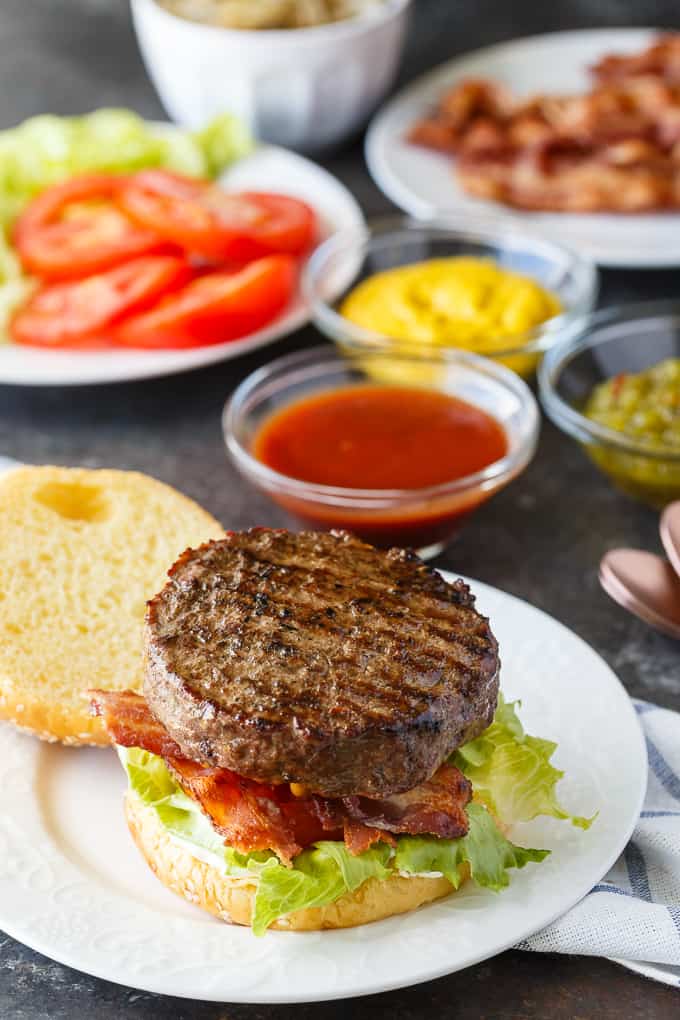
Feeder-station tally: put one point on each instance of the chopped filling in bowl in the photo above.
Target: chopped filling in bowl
(642, 405)
(272, 14)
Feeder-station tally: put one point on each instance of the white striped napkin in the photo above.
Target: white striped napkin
(633, 914)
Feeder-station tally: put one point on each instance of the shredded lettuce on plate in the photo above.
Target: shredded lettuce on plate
(48, 149)
(511, 775)
(15, 287)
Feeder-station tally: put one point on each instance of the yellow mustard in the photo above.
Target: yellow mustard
(470, 303)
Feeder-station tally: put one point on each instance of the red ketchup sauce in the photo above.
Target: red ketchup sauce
(382, 437)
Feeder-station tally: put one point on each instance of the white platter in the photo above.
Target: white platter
(423, 183)
(73, 886)
(268, 168)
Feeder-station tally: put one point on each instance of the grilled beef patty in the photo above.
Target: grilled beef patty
(317, 659)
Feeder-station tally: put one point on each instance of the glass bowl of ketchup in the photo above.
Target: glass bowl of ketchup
(338, 440)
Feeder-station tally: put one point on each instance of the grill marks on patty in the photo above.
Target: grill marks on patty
(300, 653)
(282, 617)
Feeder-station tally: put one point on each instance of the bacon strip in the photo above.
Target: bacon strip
(360, 837)
(661, 59)
(436, 807)
(129, 722)
(256, 816)
(242, 811)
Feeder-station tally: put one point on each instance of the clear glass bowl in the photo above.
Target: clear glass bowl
(627, 339)
(425, 519)
(349, 257)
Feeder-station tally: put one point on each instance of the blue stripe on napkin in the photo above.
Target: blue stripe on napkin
(662, 770)
(637, 872)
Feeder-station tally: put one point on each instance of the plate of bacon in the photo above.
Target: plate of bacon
(577, 134)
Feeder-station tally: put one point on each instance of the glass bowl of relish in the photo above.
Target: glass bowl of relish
(615, 387)
(396, 464)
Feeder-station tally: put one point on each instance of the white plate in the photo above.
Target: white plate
(73, 886)
(423, 183)
(268, 168)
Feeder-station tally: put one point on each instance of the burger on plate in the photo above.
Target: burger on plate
(321, 742)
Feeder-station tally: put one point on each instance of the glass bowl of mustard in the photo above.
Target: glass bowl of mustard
(397, 464)
(615, 387)
(455, 283)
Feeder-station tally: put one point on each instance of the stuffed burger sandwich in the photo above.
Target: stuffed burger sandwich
(321, 742)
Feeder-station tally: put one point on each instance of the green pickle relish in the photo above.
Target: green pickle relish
(645, 408)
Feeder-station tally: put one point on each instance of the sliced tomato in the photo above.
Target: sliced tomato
(74, 229)
(207, 220)
(215, 307)
(81, 313)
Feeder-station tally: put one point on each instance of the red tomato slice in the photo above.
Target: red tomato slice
(80, 313)
(74, 229)
(215, 307)
(207, 220)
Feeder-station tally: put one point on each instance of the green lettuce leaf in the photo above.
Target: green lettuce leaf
(511, 771)
(181, 816)
(47, 149)
(319, 875)
(148, 775)
(15, 288)
(224, 140)
(484, 849)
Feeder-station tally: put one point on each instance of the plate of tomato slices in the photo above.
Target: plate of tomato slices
(153, 273)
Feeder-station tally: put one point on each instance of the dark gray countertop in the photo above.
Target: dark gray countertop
(541, 539)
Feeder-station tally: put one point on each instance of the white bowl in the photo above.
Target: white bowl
(303, 88)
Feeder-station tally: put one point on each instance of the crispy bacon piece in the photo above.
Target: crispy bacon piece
(463, 108)
(360, 837)
(129, 722)
(436, 807)
(256, 816)
(357, 835)
(661, 59)
(246, 813)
